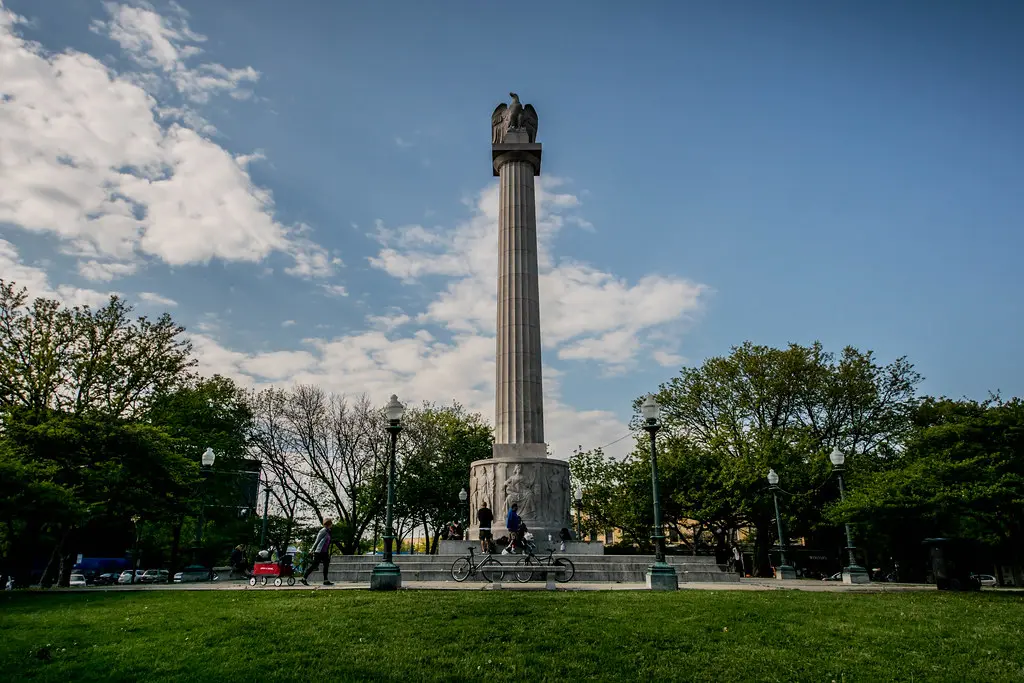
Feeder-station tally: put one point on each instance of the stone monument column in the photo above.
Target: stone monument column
(520, 470)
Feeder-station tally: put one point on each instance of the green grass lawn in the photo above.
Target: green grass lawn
(525, 636)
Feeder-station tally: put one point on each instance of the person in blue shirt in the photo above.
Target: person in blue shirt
(512, 524)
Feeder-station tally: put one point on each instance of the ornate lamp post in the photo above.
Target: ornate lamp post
(853, 572)
(386, 575)
(578, 494)
(783, 571)
(197, 567)
(464, 499)
(660, 575)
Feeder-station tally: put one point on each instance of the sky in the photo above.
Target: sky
(307, 187)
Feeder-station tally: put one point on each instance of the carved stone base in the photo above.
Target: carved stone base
(539, 484)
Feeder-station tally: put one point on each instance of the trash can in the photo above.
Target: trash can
(950, 560)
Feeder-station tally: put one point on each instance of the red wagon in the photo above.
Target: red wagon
(282, 572)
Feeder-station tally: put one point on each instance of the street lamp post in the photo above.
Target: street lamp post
(578, 494)
(660, 575)
(464, 499)
(386, 575)
(266, 508)
(135, 547)
(197, 566)
(853, 572)
(783, 571)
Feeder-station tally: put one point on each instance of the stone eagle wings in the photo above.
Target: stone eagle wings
(513, 116)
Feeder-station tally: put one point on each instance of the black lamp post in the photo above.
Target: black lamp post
(386, 575)
(197, 566)
(660, 575)
(783, 571)
(135, 547)
(578, 494)
(853, 572)
(464, 499)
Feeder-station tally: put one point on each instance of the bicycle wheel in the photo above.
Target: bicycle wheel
(524, 569)
(493, 571)
(461, 569)
(569, 569)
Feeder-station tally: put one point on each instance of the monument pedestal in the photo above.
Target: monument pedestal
(540, 485)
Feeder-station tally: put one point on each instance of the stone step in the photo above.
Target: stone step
(589, 568)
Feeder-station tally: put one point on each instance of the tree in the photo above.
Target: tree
(961, 474)
(76, 360)
(438, 446)
(200, 413)
(762, 408)
(105, 470)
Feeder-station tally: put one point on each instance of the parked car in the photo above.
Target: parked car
(153, 576)
(126, 576)
(106, 579)
(77, 580)
(193, 577)
(986, 580)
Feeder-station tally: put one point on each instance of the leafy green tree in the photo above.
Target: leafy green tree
(438, 446)
(77, 360)
(110, 469)
(209, 412)
(961, 474)
(759, 408)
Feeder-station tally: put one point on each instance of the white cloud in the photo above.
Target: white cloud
(667, 359)
(85, 155)
(156, 299)
(36, 281)
(335, 290)
(167, 44)
(587, 314)
(417, 368)
(104, 271)
(287, 323)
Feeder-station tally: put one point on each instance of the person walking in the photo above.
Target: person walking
(485, 517)
(321, 553)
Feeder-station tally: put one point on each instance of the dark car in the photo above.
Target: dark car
(106, 579)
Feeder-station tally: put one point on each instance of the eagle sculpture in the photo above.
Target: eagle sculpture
(515, 116)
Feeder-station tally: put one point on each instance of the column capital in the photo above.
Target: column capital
(503, 153)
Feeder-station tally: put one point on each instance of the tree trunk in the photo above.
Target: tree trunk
(56, 560)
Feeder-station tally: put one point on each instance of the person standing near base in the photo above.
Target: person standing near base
(485, 517)
(321, 552)
(512, 523)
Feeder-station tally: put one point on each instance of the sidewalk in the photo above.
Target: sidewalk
(743, 585)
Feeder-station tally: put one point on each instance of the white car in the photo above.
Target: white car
(987, 580)
(77, 580)
(126, 576)
(153, 576)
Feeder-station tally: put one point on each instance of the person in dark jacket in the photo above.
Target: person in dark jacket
(238, 564)
(512, 523)
(321, 553)
(485, 517)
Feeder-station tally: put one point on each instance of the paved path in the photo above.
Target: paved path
(742, 585)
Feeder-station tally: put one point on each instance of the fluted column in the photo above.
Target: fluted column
(519, 402)
(519, 391)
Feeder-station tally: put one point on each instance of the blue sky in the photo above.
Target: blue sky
(309, 191)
